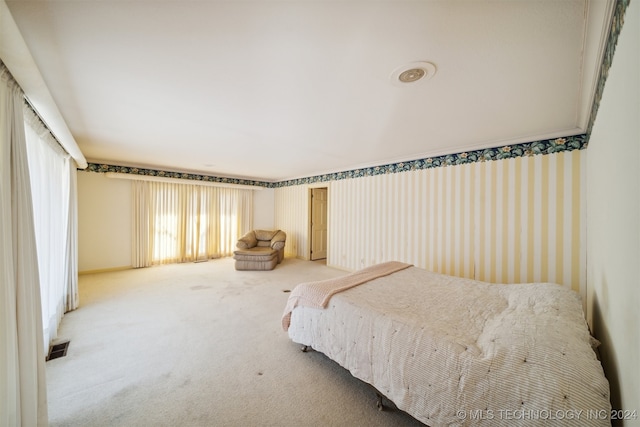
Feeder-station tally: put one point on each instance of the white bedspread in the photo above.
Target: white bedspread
(453, 351)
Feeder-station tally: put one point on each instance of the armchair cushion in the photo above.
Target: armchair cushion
(265, 234)
(256, 254)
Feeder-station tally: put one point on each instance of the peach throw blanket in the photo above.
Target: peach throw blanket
(317, 294)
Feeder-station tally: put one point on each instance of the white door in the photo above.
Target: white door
(318, 223)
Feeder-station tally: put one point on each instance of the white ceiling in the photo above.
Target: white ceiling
(274, 90)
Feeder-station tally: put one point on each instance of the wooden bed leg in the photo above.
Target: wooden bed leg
(304, 348)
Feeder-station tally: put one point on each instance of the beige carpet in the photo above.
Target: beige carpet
(200, 345)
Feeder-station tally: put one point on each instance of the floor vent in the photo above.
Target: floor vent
(58, 350)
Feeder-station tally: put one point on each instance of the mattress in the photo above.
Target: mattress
(452, 351)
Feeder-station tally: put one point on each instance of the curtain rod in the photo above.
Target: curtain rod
(133, 177)
(30, 106)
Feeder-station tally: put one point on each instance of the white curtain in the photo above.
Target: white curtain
(50, 169)
(23, 398)
(142, 223)
(187, 222)
(71, 259)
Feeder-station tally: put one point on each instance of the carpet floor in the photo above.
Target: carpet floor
(200, 344)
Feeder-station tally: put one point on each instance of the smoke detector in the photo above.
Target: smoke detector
(413, 73)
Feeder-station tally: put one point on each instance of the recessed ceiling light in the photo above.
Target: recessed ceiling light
(413, 73)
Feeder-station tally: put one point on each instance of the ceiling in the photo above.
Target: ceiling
(276, 90)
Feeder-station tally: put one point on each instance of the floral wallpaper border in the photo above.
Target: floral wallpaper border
(103, 168)
(549, 146)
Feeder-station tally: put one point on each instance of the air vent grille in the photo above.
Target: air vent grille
(58, 350)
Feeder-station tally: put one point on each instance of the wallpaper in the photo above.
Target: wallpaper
(510, 221)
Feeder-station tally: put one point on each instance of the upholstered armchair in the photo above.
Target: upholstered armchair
(260, 250)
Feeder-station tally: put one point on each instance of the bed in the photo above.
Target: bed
(452, 351)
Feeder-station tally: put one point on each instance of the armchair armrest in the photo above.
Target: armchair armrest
(247, 241)
(277, 242)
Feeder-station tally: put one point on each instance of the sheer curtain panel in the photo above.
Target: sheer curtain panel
(50, 171)
(175, 222)
(71, 259)
(23, 393)
(142, 225)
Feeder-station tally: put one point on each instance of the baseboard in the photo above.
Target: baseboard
(338, 267)
(105, 270)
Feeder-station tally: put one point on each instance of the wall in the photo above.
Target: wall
(613, 216)
(292, 216)
(506, 221)
(104, 222)
(263, 209)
